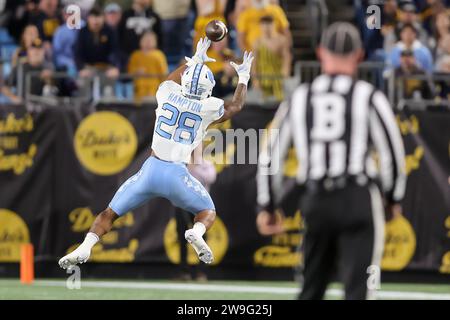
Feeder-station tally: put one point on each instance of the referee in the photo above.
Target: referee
(349, 149)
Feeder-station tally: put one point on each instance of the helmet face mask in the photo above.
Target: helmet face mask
(197, 82)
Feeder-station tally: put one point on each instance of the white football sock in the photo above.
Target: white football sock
(90, 241)
(199, 228)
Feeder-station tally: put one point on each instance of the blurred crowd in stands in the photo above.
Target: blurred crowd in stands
(135, 43)
(130, 45)
(413, 40)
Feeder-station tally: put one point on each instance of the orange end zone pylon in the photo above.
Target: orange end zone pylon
(26, 263)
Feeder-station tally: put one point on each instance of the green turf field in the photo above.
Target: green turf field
(223, 290)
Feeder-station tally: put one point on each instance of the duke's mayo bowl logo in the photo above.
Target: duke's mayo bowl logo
(13, 233)
(216, 237)
(399, 246)
(283, 251)
(105, 142)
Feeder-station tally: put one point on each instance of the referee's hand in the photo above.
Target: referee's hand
(393, 211)
(269, 224)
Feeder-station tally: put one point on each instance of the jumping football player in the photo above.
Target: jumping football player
(185, 110)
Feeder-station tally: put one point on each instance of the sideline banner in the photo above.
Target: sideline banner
(60, 167)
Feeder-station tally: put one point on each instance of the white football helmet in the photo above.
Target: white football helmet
(197, 82)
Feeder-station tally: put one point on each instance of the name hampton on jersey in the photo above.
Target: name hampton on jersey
(170, 91)
(183, 102)
(181, 122)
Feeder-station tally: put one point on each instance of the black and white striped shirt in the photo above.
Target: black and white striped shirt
(336, 125)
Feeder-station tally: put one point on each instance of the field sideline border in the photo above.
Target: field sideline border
(382, 294)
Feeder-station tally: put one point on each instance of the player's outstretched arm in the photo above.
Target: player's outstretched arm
(176, 74)
(243, 70)
(200, 57)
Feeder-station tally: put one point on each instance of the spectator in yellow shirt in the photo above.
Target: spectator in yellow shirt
(224, 74)
(149, 63)
(272, 60)
(207, 10)
(249, 28)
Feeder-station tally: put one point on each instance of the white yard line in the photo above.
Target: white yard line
(173, 286)
(236, 288)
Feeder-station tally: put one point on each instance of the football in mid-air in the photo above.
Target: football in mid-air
(216, 30)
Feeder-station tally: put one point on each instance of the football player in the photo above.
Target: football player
(185, 110)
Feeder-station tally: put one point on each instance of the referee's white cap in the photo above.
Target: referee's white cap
(341, 38)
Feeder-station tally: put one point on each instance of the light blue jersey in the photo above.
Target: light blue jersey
(181, 122)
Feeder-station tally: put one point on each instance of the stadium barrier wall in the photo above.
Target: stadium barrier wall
(61, 166)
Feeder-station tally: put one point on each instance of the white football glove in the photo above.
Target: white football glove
(200, 55)
(243, 69)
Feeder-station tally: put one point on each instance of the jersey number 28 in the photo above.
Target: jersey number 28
(181, 121)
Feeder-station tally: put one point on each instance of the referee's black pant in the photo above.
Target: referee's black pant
(344, 232)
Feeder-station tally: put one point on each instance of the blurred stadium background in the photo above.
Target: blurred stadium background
(77, 115)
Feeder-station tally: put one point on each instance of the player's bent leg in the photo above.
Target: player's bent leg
(206, 217)
(188, 193)
(202, 222)
(131, 194)
(102, 224)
